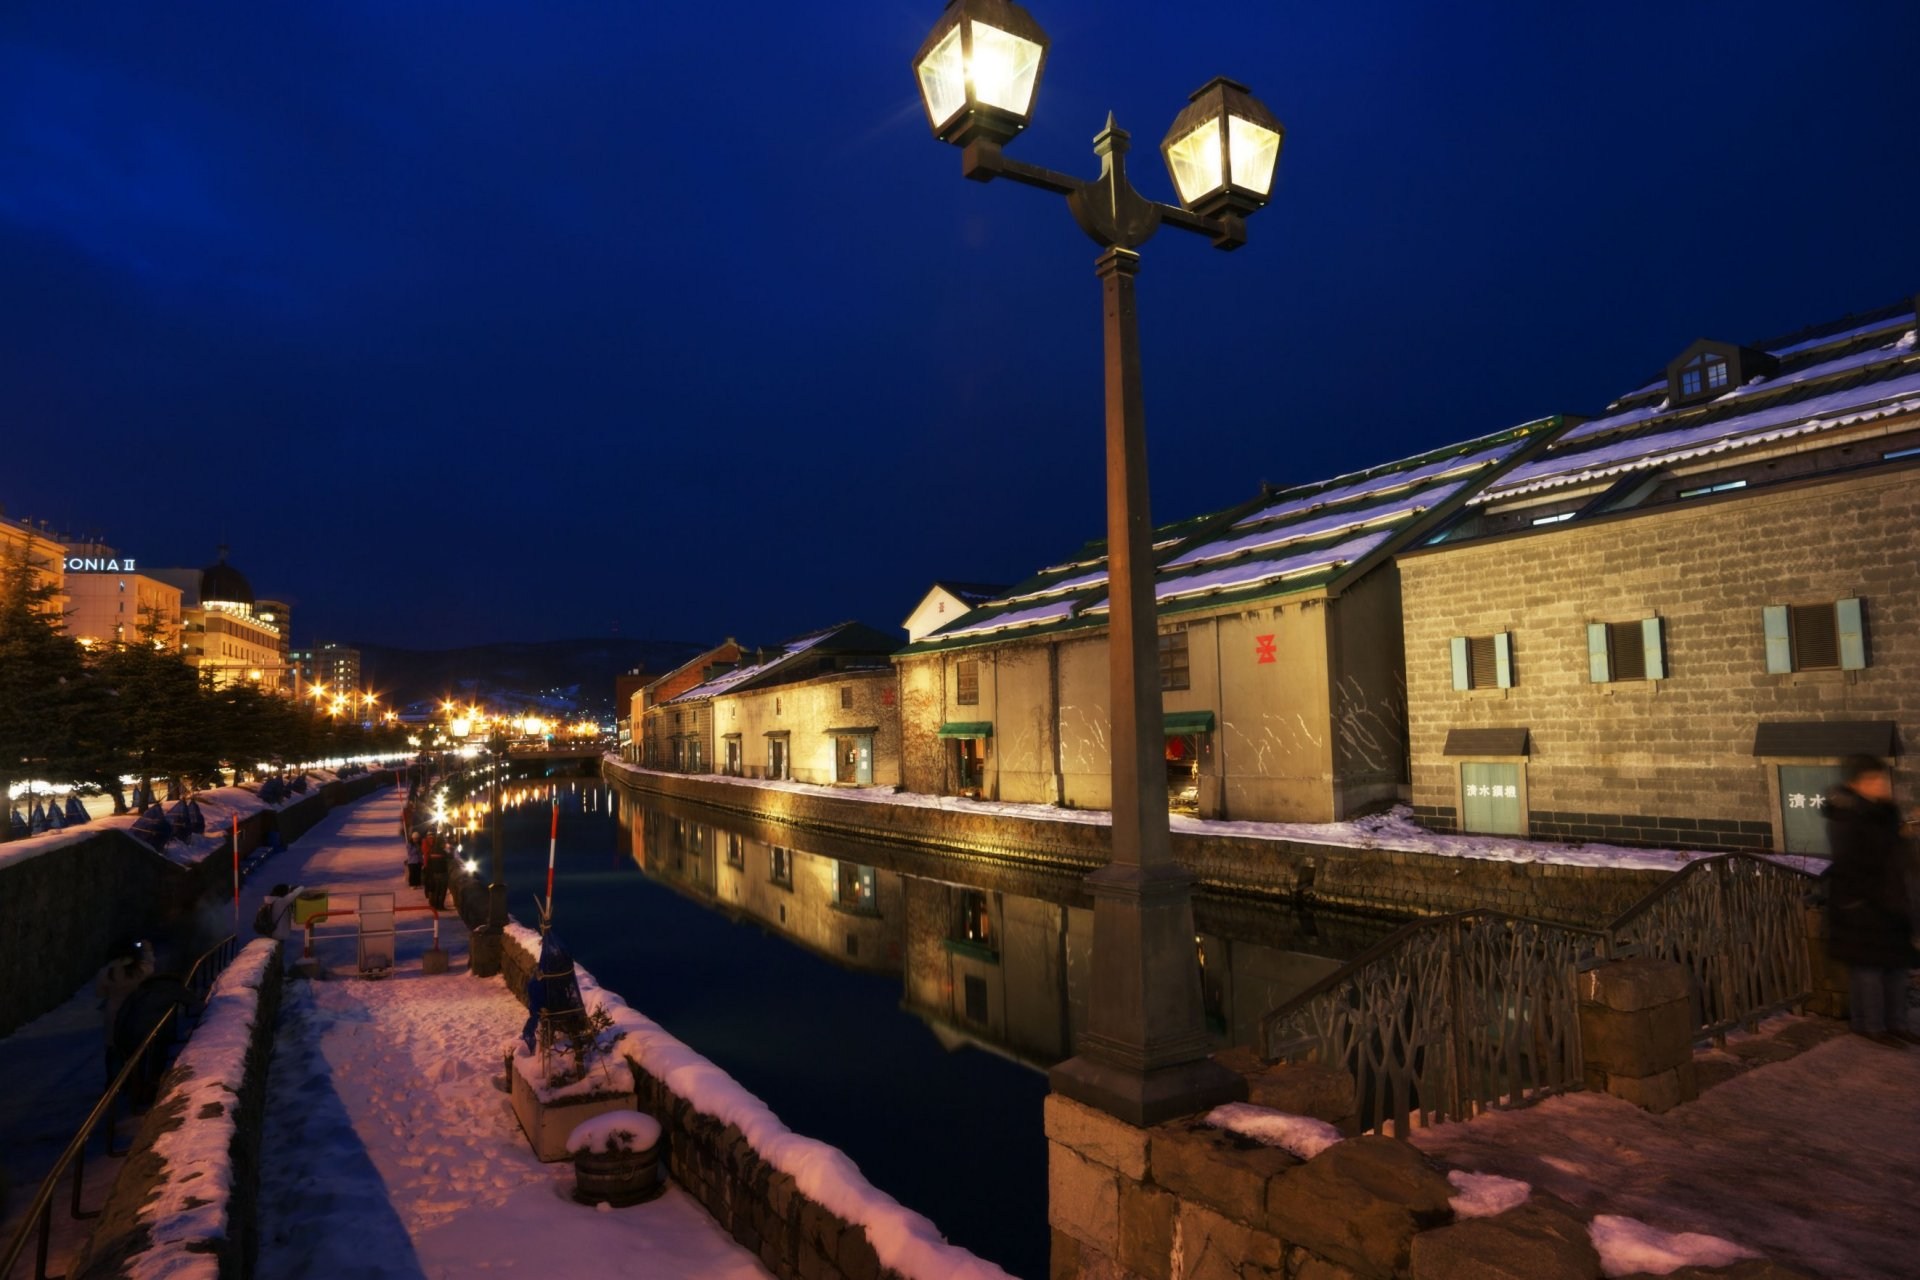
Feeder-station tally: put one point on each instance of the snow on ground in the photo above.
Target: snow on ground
(1302, 1135)
(1394, 831)
(1814, 1161)
(389, 1152)
(1482, 1195)
(1630, 1247)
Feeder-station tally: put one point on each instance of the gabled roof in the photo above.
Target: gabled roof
(1848, 372)
(1285, 541)
(698, 660)
(843, 638)
(971, 592)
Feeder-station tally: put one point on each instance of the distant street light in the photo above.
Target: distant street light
(1144, 1055)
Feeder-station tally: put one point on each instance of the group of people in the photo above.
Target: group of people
(429, 861)
(1873, 900)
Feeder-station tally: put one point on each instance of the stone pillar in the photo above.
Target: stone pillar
(1636, 1032)
(1829, 998)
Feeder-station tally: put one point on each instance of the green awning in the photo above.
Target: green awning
(1183, 722)
(967, 729)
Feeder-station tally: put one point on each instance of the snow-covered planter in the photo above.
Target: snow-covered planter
(616, 1159)
(549, 1112)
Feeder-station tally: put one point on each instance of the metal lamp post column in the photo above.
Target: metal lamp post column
(488, 940)
(1144, 1055)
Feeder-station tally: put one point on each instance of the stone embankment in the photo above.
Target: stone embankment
(66, 898)
(1383, 880)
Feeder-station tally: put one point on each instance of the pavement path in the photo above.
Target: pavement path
(1812, 1157)
(390, 1152)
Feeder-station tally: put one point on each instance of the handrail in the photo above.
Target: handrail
(1730, 919)
(39, 1216)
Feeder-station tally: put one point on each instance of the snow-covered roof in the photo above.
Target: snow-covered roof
(1283, 541)
(864, 640)
(1808, 396)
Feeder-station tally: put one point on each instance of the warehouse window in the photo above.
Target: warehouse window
(966, 689)
(1626, 650)
(1816, 637)
(1483, 662)
(1173, 660)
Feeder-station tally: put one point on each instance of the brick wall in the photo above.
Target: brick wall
(1665, 761)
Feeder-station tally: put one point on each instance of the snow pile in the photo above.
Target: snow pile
(905, 1241)
(614, 1131)
(606, 1073)
(1302, 1135)
(190, 1207)
(1627, 1246)
(1482, 1195)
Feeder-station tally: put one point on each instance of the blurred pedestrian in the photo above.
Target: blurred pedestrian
(433, 851)
(131, 965)
(1870, 906)
(414, 859)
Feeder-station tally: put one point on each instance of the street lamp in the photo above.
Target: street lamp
(1144, 1055)
(485, 942)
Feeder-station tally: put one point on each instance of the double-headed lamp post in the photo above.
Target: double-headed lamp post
(1144, 1055)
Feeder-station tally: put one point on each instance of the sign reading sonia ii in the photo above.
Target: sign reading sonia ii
(92, 564)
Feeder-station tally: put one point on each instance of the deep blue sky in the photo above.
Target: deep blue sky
(472, 321)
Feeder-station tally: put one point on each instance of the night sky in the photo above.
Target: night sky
(469, 322)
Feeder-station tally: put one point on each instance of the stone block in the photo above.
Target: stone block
(1306, 1266)
(1083, 1198)
(1660, 1092)
(855, 1256)
(1146, 1230)
(1217, 1248)
(1092, 1133)
(1304, 1089)
(1541, 1240)
(1636, 1042)
(1213, 1167)
(1360, 1203)
(1629, 985)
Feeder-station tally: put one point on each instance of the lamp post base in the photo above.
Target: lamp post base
(1144, 1099)
(484, 950)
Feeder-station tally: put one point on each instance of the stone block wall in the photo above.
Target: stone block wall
(1636, 1032)
(1386, 881)
(1669, 761)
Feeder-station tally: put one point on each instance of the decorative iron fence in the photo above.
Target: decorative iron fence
(1446, 1017)
(1457, 1014)
(1737, 923)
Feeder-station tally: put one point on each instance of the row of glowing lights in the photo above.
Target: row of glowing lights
(341, 702)
(463, 721)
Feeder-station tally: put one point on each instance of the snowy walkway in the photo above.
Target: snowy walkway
(1814, 1160)
(388, 1150)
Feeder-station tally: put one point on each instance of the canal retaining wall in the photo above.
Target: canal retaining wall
(802, 1206)
(1384, 880)
(189, 1190)
(68, 898)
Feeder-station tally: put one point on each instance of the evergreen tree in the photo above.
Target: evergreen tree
(41, 670)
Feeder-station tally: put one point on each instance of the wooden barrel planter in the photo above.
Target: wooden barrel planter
(616, 1159)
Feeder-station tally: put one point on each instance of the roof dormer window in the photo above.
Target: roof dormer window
(1711, 369)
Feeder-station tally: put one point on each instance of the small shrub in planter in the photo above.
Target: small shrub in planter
(616, 1159)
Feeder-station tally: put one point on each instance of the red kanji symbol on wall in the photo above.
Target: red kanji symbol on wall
(886, 697)
(1263, 649)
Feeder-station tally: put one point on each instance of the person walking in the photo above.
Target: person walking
(122, 976)
(433, 850)
(1870, 921)
(415, 859)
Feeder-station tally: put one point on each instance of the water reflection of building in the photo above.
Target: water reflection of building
(981, 963)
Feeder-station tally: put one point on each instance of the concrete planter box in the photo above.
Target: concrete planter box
(548, 1117)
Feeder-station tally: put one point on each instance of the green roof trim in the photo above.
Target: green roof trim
(967, 729)
(1182, 722)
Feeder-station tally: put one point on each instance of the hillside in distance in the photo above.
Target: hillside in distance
(558, 674)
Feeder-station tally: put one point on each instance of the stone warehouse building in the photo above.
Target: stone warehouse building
(1671, 626)
(654, 729)
(1280, 653)
(821, 708)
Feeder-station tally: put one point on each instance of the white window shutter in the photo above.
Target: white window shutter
(1599, 669)
(1850, 620)
(1779, 646)
(1652, 640)
(1503, 659)
(1460, 677)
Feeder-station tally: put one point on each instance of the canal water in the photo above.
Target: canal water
(900, 1006)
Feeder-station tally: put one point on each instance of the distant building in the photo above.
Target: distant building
(337, 666)
(1279, 644)
(222, 634)
(45, 554)
(280, 614)
(821, 708)
(111, 601)
(653, 730)
(944, 603)
(1671, 626)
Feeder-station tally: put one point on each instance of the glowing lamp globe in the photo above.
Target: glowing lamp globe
(1223, 149)
(979, 70)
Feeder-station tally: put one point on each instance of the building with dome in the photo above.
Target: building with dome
(224, 631)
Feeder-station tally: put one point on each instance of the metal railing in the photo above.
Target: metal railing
(1446, 1017)
(1461, 1013)
(37, 1223)
(1737, 923)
